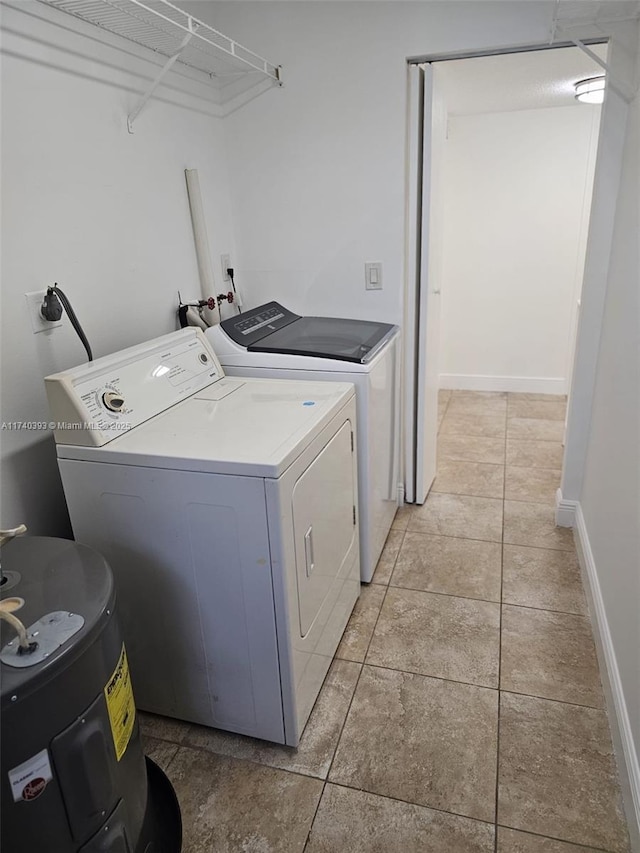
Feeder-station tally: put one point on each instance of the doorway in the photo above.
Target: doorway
(503, 160)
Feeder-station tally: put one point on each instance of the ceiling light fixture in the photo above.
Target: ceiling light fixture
(590, 91)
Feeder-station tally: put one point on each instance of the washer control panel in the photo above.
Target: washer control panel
(256, 323)
(94, 403)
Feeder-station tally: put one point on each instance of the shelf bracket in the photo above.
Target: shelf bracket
(160, 76)
(583, 47)
(626, 92)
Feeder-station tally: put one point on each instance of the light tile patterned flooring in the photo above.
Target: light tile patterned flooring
(464, 711)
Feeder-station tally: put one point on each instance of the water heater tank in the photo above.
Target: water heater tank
(74, 776)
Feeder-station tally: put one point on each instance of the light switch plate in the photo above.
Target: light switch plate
(373, 276)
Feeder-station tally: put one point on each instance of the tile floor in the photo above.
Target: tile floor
(463, 712)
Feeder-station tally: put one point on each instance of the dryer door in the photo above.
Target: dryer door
(324, 525)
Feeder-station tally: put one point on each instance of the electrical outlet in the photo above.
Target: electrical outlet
(225, 262)
(34, 304)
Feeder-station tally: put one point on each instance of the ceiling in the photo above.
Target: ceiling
(574, 12)
(517, 81)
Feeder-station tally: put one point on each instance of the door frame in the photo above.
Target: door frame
(608, 168)
(425, 138)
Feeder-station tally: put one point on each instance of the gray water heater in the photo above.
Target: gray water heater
(74, 776)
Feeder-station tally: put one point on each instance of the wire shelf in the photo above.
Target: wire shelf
(163, 27)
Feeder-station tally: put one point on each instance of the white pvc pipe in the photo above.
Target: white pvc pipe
(207, 283)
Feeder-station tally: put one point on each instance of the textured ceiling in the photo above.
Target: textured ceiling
(517, 81)
(595, 11)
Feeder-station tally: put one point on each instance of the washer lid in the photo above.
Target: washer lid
(328, 337)
(272, 328)
(251, 427)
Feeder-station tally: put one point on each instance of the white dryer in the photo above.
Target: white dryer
(227, 509)
(271, 341)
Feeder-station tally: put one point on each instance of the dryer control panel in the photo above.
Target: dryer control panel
(96, 402)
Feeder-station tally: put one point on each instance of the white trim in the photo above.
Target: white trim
(628, 766)
(522, 384)
(606, 184)
(565, 511)
(412, 206)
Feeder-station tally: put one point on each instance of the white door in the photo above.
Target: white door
(426, 139)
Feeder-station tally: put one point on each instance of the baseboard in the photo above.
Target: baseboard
(565, 511)
(628, 765)
(516, 384)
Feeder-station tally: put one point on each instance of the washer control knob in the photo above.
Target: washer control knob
(204, 358)
(113, 401)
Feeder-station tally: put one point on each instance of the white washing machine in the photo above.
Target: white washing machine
(271, 341)
(227, 510)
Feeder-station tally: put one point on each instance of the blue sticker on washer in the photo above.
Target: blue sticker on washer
(309, 403)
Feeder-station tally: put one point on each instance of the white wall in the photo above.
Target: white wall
(610, 499)
(318, 169)
(102, 212)
(318, 166)
(517, 195)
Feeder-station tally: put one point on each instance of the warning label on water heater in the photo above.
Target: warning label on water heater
(120, 705)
